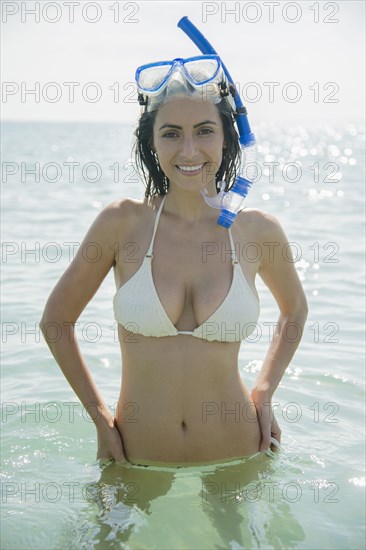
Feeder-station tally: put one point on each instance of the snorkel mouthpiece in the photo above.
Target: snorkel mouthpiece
(234, 198)
(231, 201)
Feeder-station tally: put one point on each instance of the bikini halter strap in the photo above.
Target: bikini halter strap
(150, 251)
(157, 217)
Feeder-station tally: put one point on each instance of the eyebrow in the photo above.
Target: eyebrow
(167, 125)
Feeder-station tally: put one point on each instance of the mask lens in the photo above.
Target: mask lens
(151, 78)
(202, 70)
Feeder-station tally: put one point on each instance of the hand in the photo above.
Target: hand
(267, 421)
(110, 444)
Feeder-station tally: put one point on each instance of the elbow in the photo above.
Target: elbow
(57, 319)
(51, 319)
(43, 324)
(43, 320)
(300, 312)
(48, 315)
(296, 314)
(52, 326)
(300, 319)
(304, 308)
(297, 318)
(301, 309)
(46, 319)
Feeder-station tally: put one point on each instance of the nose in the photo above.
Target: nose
(189, 147)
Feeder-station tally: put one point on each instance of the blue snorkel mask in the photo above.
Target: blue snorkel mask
(201, 76)
(207, 78)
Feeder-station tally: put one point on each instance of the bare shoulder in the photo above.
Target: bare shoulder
(120, 215)
(128, 208)
(115, 220)
(259, 225)
(122, 209)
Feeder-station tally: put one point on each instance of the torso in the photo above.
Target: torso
(182, 400)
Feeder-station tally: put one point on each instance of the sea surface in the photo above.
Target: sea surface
(310, 495)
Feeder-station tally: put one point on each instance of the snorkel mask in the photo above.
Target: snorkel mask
(201, 76)
(207, 78)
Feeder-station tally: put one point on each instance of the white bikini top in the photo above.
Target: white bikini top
(137, 306)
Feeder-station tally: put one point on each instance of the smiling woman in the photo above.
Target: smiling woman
(190, 148)
(156, 127)
(182, 311)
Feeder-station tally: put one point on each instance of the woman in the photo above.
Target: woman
(186, 297)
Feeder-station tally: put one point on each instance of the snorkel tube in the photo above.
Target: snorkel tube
(231, 201)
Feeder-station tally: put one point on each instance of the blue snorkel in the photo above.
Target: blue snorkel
(230, 201)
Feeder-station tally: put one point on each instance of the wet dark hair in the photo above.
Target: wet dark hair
(146, 160)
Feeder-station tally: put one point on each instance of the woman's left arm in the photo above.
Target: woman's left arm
(277, 270)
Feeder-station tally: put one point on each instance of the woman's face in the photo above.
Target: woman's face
(188, 139)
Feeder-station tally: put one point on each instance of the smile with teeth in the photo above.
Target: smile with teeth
(191, 168)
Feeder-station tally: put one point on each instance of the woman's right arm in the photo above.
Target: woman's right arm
(66, 302)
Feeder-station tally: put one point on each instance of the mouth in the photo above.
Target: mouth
(190, 170)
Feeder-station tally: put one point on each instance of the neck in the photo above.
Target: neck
(189, 206)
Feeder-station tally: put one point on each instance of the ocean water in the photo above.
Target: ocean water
(55, 179)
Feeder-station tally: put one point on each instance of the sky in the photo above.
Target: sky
(292, 61)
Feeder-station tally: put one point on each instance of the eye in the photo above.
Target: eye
(206, 131)
(170, 134)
